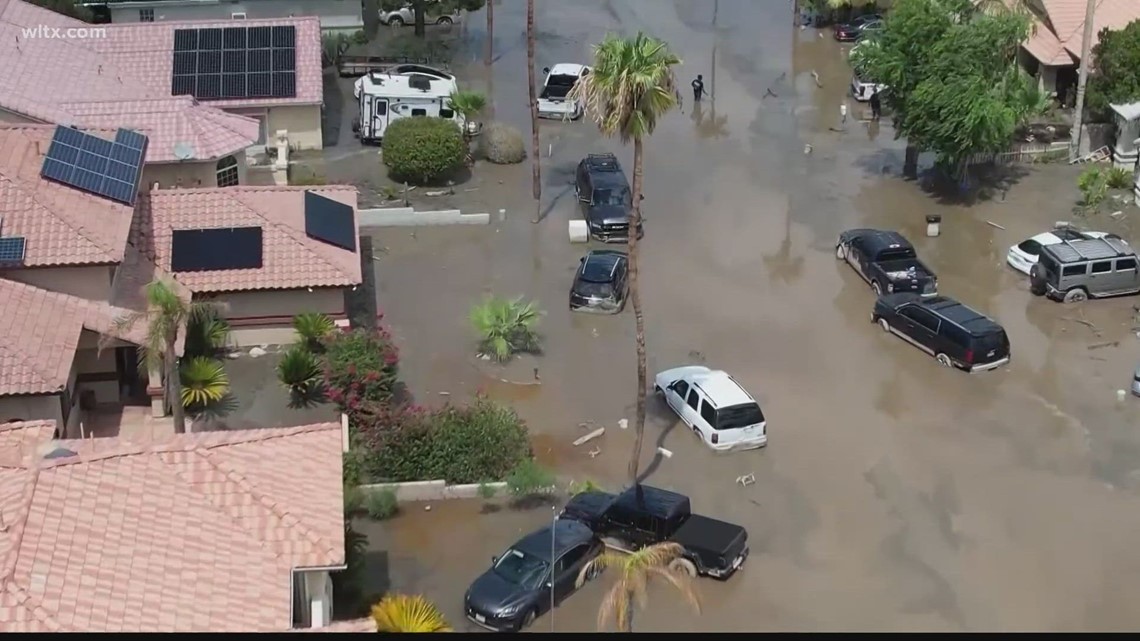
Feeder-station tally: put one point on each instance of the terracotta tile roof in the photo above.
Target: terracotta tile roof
(1043, 45)
(148, 47)
(353, 625)
(39, 333)
(1067, 18)
(66, 81)
(290, 258)
(198, 533)
(63, 225)
(22, 440)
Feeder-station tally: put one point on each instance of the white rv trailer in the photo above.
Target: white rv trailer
(384, 97)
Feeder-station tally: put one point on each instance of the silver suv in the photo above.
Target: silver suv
(1073, 271)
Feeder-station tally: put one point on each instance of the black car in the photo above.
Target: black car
(886, 260)
(601, 283)
(517, 588)
(852, 31)
(605, 198)
(955, 335)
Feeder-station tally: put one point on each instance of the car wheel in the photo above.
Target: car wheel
(840, 252)
(885, 325)
(944, 360)
(658, 391)
(683, 566)
(444, 20)
(876, 288)
(528, 619)
(395, 21)
(1076, 295)
(594, 572)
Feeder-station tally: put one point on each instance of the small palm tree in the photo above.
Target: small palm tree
(468, 104)
(204, 381)
(312, 329)
(506, 327)
(300, 373)
(408, 613)
(208, 335)
(661, 561)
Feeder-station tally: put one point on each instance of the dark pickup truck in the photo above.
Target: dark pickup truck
(643, 515)
(887, 261)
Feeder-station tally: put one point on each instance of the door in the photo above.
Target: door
(566, 571)
(692, 416)
(675, 397)
(1127, 275)
(581, 184)
(919, 326)
(1101, 278)
(855, 255)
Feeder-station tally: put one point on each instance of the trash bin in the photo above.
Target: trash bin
(933, 224)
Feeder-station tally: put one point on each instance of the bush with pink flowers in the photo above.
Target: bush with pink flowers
(360, 369)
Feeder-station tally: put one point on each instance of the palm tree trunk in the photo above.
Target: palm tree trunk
(536, 186)
(489, 46)
(174, 386)
(910, 162)
(639, 318)
(418, 12)
(632, 599)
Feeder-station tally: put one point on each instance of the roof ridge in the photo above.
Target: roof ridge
(24, 360)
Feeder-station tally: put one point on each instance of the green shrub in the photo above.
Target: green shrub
(422, 150)
(528, 478)
(506, 327)
(1093, 183)
(1119, 178)
(313, 329)
(204, 381)
(585, 485)
(353, 500)
(300, 373)
(207, 334)
(359, 37)
(381, 504)
(458, 444)
(487, 491)
(502, 144)
(359, 368)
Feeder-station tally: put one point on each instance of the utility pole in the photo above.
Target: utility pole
(1082, 80)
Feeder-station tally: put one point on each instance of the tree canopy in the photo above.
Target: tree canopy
(953, 83)
(1117, 78)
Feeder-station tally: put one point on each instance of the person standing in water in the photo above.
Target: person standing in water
(698, 88)
(876, 106)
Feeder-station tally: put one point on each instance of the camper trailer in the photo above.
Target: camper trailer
(384, 97)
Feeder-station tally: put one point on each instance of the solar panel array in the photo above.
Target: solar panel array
(207, 250)
(330, 222)
(111, 169)
(235, 62)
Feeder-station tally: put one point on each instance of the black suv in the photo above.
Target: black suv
(605, 197)
(600, 285)
(952, 333)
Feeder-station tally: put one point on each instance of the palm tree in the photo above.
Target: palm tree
(488, 48)
(204, 382)
(300, 372)
(404, 613)
(312, 329)
(468, 104)
(631, 87)
(661, 561)
(165, 315)
(536, 168)
(208, 335)
(505, 327)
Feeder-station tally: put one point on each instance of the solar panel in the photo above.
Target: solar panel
(97, 165)
(205, 250)
(330, 222)
(235, 62)
(12, 250)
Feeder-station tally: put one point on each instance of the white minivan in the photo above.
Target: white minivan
(712, 404)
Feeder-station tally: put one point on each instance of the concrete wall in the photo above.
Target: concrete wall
(100, 373)
(92, 283)
(409, 217)
(303, 122)
(266, 317)
(45, 407)
(334, 14)
(433, 490)
(188, 174)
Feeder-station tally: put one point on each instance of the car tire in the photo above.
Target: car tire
(445, 20)
(684, 566)
(658, 391)
(885, 325)
(528, 620)
(944, 360)
(1076, 295)
(594, 572)
(840, 252)
(877, 288)
(395, 21)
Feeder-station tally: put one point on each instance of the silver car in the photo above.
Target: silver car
(1136, 381)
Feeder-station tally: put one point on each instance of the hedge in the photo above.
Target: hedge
(422, 149)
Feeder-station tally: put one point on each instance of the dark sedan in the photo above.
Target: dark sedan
(517, 588)
(601, 283)
(852, 31)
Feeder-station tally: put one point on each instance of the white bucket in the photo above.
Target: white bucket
(579, 232)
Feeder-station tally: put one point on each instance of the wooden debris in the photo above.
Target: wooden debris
(818, 82)
(993, 224)
(664, 452)
(589, 437)
(1108, 344)
(746, 479)
(595, 452)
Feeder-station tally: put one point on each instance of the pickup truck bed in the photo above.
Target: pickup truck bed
(907, 274)
(554, 92)
(701, 533)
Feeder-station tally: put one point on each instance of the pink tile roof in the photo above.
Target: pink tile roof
(63, 225)
(66, 81)
(1067, 19)
(1043, 45)
(290, 258)
(353, 625)
(148, 47)
(23, 440)
(198, 533)
(39, 333)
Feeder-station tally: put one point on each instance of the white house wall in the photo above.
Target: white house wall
(303, 122)
(187, 174)
(266, 317)
(92, 283)
(334, 14)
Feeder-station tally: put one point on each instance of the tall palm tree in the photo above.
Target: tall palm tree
(660, 561)
(536, 169)
(404, 613)
(166, 314)
(630, 88)
(488, 47)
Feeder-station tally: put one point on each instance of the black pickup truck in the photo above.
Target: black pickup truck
(887, 261)
(643, 515)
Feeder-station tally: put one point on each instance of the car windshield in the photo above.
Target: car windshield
(1031, 247)
(598, 270)
(738, 416)
(617, 197)
(520, 568)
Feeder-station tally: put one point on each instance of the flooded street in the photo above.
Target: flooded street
(893, 494)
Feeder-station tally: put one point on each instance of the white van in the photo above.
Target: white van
(718, 410)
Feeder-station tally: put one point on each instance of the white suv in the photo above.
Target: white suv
(714, 406)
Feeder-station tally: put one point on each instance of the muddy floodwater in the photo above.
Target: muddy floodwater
(893, 494)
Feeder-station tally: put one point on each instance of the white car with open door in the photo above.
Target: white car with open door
(552, 102)
(714, 406)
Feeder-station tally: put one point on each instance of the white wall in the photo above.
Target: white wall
(92, 283)
(334, 14)
(187, 174)
(266, 317)
(303, 122)
(317, 590)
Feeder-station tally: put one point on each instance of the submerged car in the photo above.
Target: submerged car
(714, 406)
(858, 27)
(601, 283)
(1024, 255)
(517, 588)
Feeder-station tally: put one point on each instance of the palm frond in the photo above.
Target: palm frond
(634, 572)
(467, 103)
(204, 381)
(405, 613)
(313, 329)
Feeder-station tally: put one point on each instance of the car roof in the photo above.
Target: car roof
(962, 315)
(655, 501)
(602, 262)
(566, 69)
(722, 389)
(567, 534)
(1091, 249)
(881, 238)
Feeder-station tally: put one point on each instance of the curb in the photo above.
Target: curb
(433, 490)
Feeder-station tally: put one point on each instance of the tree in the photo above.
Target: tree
(405, 613)
(423, 149)
(166, 314)
(489, 46)
(951, 73)
(468, 104)
(423, 8)
(1117, 80)
(535, 158)
(505, 327)
(204, 382)
(630, 88)
(660, 561)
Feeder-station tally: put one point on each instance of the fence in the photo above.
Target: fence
(1027, 152)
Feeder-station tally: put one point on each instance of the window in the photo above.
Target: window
(921, 317)
(419, 112)
(381, 108)
(237, 16)
(681, 387)
(738, 416)
(708, 412)
(694, 398)
(146, 15)
(1074, 270)
(1102, 267)
(1031, 247)
(1125, 264)
(446, 113)
(227, 172)
(569, 560)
